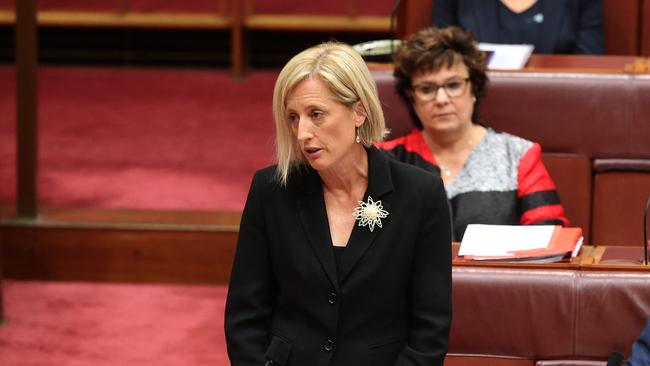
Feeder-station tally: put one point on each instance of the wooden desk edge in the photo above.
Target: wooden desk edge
(588, 260)
(624, 65)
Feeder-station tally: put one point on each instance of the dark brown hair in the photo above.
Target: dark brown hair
(433, 49)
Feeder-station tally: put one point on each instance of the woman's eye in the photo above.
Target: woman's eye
(453, 85)
(427, 89)
(316, 114)
(292, 118)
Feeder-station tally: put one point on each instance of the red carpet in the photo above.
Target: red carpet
(143, 138)
(75, 324)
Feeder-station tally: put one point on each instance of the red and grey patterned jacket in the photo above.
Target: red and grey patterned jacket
(503, 181)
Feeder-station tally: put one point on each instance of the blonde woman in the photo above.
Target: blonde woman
(343, 255)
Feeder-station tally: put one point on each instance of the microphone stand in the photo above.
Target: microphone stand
(393, 13)
(645, 232)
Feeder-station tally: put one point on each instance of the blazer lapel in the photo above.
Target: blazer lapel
(379, 185)
(313, 217)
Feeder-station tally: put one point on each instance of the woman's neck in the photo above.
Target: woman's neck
(454, 142)
(518, 6)
(451, 153)
(350, 176)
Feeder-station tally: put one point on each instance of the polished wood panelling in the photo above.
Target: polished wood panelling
(117, 255)
(462, 360)
(622, 26)
(121, 246)
(645, 29)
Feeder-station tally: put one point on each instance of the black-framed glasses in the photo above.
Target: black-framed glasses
(426, 91)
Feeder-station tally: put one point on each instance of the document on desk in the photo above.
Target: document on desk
(504, 240)
(507, 56)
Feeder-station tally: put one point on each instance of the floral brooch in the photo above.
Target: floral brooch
(370, 213)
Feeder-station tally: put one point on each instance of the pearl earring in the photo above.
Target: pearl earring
(357, 139)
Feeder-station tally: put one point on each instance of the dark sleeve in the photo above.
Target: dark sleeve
(590, 28)
(430, 289)
(250, 292)
(641, 347)
(445, 13)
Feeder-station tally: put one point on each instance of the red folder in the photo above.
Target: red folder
(563, 240)
(564, 243)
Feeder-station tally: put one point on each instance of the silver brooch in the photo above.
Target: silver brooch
(370, 213)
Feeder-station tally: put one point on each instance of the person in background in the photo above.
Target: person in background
(344, 254)
(552, 26)
(640, 355)
(491, 177)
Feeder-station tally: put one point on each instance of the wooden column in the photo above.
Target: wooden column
(2, 313)
(413, 15)
(26, 108)
(238, 58)
(645, 29)
(622, 26)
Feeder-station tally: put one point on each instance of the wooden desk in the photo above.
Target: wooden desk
(614, 258)
(571, 63)
(588, 63)
(460, 262)
(591, 258)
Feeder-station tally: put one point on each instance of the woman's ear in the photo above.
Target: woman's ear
(359, 113)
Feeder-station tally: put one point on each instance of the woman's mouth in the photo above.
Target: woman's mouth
(311, 152)
(442, 115)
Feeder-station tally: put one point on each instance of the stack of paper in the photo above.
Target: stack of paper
(520, 243)
(507, 56)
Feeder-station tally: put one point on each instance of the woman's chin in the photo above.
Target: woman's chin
(443, 127)
(317, 164)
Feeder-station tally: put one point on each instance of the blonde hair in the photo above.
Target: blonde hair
(346, 75)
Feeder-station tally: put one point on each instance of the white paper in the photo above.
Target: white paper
(501, 240)
(507, 56)
(576, 250)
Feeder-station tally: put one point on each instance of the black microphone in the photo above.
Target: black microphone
(615, 359)
(381, 50)
(645, 232)
(393, 13)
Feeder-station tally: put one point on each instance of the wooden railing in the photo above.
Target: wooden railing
(236, 16)
(627, 22)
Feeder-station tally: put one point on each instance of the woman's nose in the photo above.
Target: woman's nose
(303, 129)
(441, 96)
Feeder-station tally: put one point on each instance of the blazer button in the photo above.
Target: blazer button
(329, 345)
(332, 298)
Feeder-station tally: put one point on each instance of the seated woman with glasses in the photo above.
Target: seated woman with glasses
(491, 177)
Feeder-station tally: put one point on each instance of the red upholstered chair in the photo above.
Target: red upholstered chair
(544, 317)
(621, 188)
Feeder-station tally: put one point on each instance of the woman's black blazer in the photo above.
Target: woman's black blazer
(570, 26)
(389, 301)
